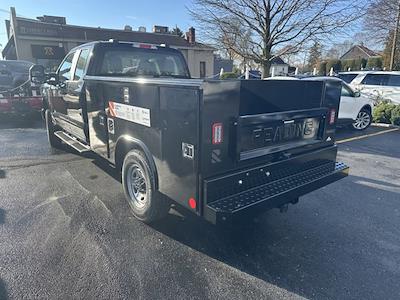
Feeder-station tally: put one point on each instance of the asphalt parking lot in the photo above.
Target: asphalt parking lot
(66, 232)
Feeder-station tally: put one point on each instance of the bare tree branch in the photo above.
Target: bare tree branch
(260, 30)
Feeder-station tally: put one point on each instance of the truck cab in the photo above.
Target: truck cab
(220, 148)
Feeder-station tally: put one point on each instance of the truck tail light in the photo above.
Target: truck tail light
(332, 114)
(217, 133)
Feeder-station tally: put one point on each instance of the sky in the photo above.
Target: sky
(117, 14)
(106, 14)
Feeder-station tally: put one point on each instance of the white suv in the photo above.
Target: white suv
(354, 108)
(380, 85)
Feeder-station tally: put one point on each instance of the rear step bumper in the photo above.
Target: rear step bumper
(275, 193)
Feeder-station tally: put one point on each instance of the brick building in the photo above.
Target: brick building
(47, 39)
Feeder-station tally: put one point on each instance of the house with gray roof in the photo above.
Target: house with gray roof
(359, 52)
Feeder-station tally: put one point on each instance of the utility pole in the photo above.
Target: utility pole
(395, 37)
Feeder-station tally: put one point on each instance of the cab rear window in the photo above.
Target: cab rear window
(134, 62)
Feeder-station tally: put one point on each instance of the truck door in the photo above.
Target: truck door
(65, 99)
(98, 123)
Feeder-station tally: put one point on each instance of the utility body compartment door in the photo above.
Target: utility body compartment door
(276, 132)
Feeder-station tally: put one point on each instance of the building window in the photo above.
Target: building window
(202, 69)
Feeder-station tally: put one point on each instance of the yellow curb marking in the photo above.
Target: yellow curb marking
(366, 136)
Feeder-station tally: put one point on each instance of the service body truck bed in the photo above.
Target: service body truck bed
(218, 148)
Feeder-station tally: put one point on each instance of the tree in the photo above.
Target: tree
(272, 25)
(374, 63)
(382, 18)
(177, 31)
(338, 49)
(314, 56)
(336, 64)
(235, 42)
(387, 53)
(322, 68)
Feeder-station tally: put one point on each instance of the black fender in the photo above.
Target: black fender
(126, 143)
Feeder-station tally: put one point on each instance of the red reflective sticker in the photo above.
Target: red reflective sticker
(192, 203)
(145, 46)
(111, 108)
(217, 133)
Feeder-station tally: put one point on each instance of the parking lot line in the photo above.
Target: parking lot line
(366, 136)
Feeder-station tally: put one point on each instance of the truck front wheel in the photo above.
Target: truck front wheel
(138, 182)
(53, 140)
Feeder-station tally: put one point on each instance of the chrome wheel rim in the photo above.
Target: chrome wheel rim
(362, 121)
(136, 182)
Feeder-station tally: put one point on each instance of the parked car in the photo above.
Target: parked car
(355, 109)
(220, 148)
(348, 77)
(13, 73)
(381, 85)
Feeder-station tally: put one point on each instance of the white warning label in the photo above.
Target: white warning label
(131, 113)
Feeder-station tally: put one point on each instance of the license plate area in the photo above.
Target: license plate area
(264, 134)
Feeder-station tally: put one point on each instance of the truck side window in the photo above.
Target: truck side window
(64, 72)
(81, 64)
(346, 92)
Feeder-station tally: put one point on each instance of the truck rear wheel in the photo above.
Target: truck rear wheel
(54, 141)
(138, 182)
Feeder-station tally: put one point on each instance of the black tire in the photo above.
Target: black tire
(54, 141)
(138, 182)
(364, 120)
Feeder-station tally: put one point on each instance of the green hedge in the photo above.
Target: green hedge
(395, 117)
(336, 64)
(229, 75)
(374, 63)
(354, 64)
(386, 112)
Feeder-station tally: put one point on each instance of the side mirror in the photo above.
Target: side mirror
(357, 94)
(37, 74)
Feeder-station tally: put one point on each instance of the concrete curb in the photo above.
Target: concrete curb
(384, 125)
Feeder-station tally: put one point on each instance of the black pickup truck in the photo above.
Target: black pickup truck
(220, 148)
